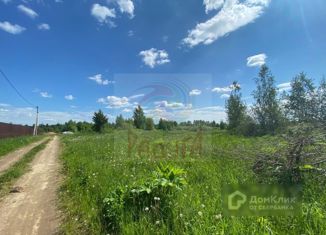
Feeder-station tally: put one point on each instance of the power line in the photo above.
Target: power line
(16, 90)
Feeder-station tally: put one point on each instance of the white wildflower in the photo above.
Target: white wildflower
(219, 216)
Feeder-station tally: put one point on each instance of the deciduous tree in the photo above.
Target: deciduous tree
(266, 108)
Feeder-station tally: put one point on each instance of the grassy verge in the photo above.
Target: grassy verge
(18, 169)
(9, 144)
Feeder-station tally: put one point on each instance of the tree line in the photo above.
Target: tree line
(139, 120)
(271, 111)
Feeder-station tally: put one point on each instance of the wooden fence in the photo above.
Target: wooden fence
(12, 130)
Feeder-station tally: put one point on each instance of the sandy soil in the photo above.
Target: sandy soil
(33, 211)
(9, 159)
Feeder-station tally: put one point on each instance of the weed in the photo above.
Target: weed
(153, 197)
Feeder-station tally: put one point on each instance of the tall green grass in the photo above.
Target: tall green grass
(9, 144)
(18, 169)
(97, 165)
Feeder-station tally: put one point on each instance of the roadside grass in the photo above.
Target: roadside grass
(96, 165)
(18, 169)
(9, 144)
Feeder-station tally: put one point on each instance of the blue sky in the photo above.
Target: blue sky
(73, 57)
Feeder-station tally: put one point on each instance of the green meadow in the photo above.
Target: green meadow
(159, 182)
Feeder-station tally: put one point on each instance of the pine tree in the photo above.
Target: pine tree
(100, 121)
(139, 118)
(266, 108)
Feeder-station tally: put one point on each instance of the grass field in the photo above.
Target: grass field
(9, 144)
(97, 165)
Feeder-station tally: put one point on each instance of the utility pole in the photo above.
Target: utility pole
(36, 122)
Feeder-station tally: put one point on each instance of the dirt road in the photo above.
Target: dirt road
(33, 211)
(9, 159)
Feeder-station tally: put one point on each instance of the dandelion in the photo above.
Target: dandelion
(157, 199)
(157, 222)
(146, 209)
(200, 213)
(181, 215)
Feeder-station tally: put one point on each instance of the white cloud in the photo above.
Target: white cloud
(216, 113)
(225, 90)
(45, 94)
(284, 86)
(213, 5)
(27, 11)
(43, 26)
(256, 60)
(11, 28)
(120, 102)
(171, 105)
(4, 105)
(99, 80)
(69, 97)
(102, 13)
(136, 96)
(126, 110)
(126, 6)
(233, 15)
(131, 33)
(153, 57)
(114, 101)
(225, 96)
(222, 90)
(195, 92)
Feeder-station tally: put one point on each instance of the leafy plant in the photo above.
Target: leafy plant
(152, 198)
